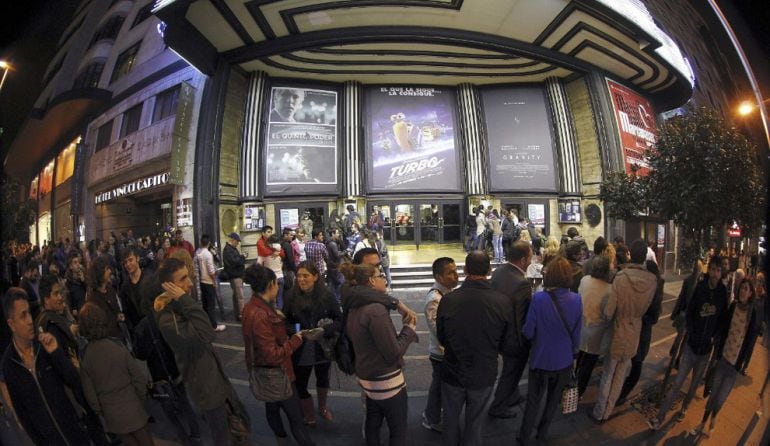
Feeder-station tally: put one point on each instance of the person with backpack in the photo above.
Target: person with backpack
(379, 351)
(446, 279)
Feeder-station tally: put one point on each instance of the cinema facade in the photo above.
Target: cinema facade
(423, 108)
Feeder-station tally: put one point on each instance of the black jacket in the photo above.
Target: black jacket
(752, 329)
(508, 280)
(706, 316)
(34, 398)
(335, 256)
(234, 263)
(151, 347)
(288, 261)
(306, 310)
(473, 324)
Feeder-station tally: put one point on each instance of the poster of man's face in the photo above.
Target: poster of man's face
(291, 104)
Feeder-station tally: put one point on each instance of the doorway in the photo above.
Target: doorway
(308, 216)
(415, 222)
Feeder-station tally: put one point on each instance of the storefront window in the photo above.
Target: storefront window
(33, 188)
(65, 162)
(46, 179)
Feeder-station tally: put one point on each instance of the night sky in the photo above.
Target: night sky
(30, 29)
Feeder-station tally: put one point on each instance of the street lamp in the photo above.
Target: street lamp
(746, 108)
(5, 66)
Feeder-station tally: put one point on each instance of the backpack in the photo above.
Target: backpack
(344, 355)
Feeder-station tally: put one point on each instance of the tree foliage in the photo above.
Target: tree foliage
(16, 217)
(702, 175)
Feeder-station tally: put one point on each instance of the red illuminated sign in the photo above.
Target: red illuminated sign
(636, 125)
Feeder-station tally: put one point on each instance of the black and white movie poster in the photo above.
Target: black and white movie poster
(410, 139)
(301, 151)
(521, 153)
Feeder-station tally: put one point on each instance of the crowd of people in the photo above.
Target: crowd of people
(94, 330)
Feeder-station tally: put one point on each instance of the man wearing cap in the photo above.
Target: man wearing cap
(234, 266)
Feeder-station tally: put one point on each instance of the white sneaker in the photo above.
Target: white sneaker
(220, 328)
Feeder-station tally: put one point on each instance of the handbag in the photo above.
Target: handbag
(344, 354)
(269, 384)
(569, 394)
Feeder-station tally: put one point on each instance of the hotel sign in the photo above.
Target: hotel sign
(133, 187)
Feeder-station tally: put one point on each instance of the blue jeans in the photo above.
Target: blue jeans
(433, 406)
(335, 279)
(279, 298)
(690, 361)
(452, 401)
(724, 380)
(497, 243)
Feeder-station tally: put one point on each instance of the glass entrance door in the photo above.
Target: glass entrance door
(421, 222)
(308, 216)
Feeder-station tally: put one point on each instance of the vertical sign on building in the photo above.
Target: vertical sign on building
(636, 125)
(78, 178)
(179, 140)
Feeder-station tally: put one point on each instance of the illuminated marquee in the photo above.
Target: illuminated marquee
(133, 187)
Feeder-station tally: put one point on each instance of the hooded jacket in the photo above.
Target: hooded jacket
(631, 295)
(188, 331)
(706, 316)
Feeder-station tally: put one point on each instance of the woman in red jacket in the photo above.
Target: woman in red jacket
(268, 345)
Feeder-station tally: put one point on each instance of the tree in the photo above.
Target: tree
(16, 217)
(702, 175)
(625, 196)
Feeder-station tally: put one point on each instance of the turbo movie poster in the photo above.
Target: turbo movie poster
(521, 155)
(637, 130)
(301, 152)
(411, 139)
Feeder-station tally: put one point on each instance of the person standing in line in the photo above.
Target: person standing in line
(473, 325)
(631, 295)
(510, 279)
(234, 265)
(742, 323)
(207, 274)
(37, 373)
(594, 291)
(759, 303)
(30, 281)
(574, 253)
(553, 326)
(289, 264)
(130, 289)
(76, 283)
(187, 246)
(497, 235)
(379, 352)
(445, 280)
(310, 304)
(267, 345)
(102, 293)
(274, 262)
(649, 319)
(705, 320)
(481, 226)
(188, 331)
(114, 382)
(334, 278)
(316, 251)
(471, 239)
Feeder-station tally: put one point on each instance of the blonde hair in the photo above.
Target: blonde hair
(610, 253)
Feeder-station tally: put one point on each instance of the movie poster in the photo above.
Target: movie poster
(637, 129)
(521, 153)
(569, 211)
(301, 150)
(410, 139)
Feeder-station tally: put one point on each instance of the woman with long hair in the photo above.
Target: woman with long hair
(101, 292)
(114, 382)
(741, 324)
(379, 351)
(553, 325)
(309, 305)
(268, 345)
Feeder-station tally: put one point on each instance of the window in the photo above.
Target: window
(143, 14)
(125, 63)
(103, 136)
(165, 104)
(131, 120)
(89, 77)
(108, 31)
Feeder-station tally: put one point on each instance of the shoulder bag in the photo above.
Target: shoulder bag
(569, 395)
(269, 384)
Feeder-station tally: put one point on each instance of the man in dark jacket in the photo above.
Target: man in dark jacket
(130, 289)
(334, 278)
(30, 281)
(706, 318)
(39, 397)
(510, 279)
(234, 266)
(472, 324)
(188, 331)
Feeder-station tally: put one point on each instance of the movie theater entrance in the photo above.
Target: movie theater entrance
(416, 222)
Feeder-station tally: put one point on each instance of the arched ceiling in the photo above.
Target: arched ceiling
(421, 41)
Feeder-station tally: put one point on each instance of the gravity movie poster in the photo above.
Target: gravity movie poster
(521, 155)
(411, 139)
